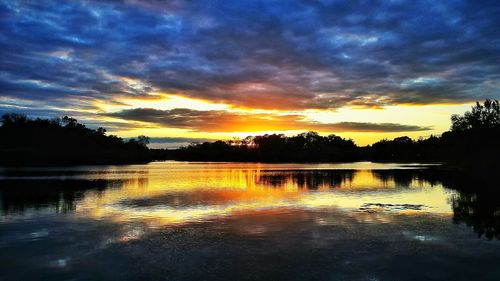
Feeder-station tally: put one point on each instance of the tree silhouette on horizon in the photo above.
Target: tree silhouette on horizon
(473, 139)
(63, 141)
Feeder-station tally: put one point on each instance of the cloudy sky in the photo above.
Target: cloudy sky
(186, 70)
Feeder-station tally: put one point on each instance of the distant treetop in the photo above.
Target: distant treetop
(482, 116)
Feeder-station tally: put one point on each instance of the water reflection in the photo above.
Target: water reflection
(402, 178)
(474, 201)
(480, 211)
(239, 221)
(303, 179)
(48, 195)
(168, 194)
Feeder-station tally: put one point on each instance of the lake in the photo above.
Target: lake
(247, 221)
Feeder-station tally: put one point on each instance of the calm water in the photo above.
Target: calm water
(238, 221)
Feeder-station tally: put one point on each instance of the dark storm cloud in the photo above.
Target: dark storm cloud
(261, 54)
(224, 121)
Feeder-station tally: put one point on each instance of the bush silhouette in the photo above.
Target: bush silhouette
(63, 141)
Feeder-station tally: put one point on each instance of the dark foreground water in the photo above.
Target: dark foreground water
(233, 221)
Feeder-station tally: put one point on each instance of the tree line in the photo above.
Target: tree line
(474, 138)
(305, 147)
(64, 141)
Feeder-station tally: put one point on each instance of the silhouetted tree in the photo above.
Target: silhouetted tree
(472, 141)
(482, 116)
(25, 141)
(9, 120)
(305, 147)
(143, 140)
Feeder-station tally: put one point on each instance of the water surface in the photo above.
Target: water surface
(246, 221)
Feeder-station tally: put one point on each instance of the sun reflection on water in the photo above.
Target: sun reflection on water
(165, 194)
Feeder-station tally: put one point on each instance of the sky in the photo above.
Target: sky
(186, 71)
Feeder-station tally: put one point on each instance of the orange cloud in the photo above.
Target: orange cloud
(225, 121)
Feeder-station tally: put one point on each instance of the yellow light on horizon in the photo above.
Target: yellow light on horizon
(436, 116)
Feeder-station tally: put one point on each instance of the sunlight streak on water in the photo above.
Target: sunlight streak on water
(172, 192)
(194, 221)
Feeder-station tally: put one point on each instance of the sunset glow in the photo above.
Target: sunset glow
(180, 72)
(252, 140)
